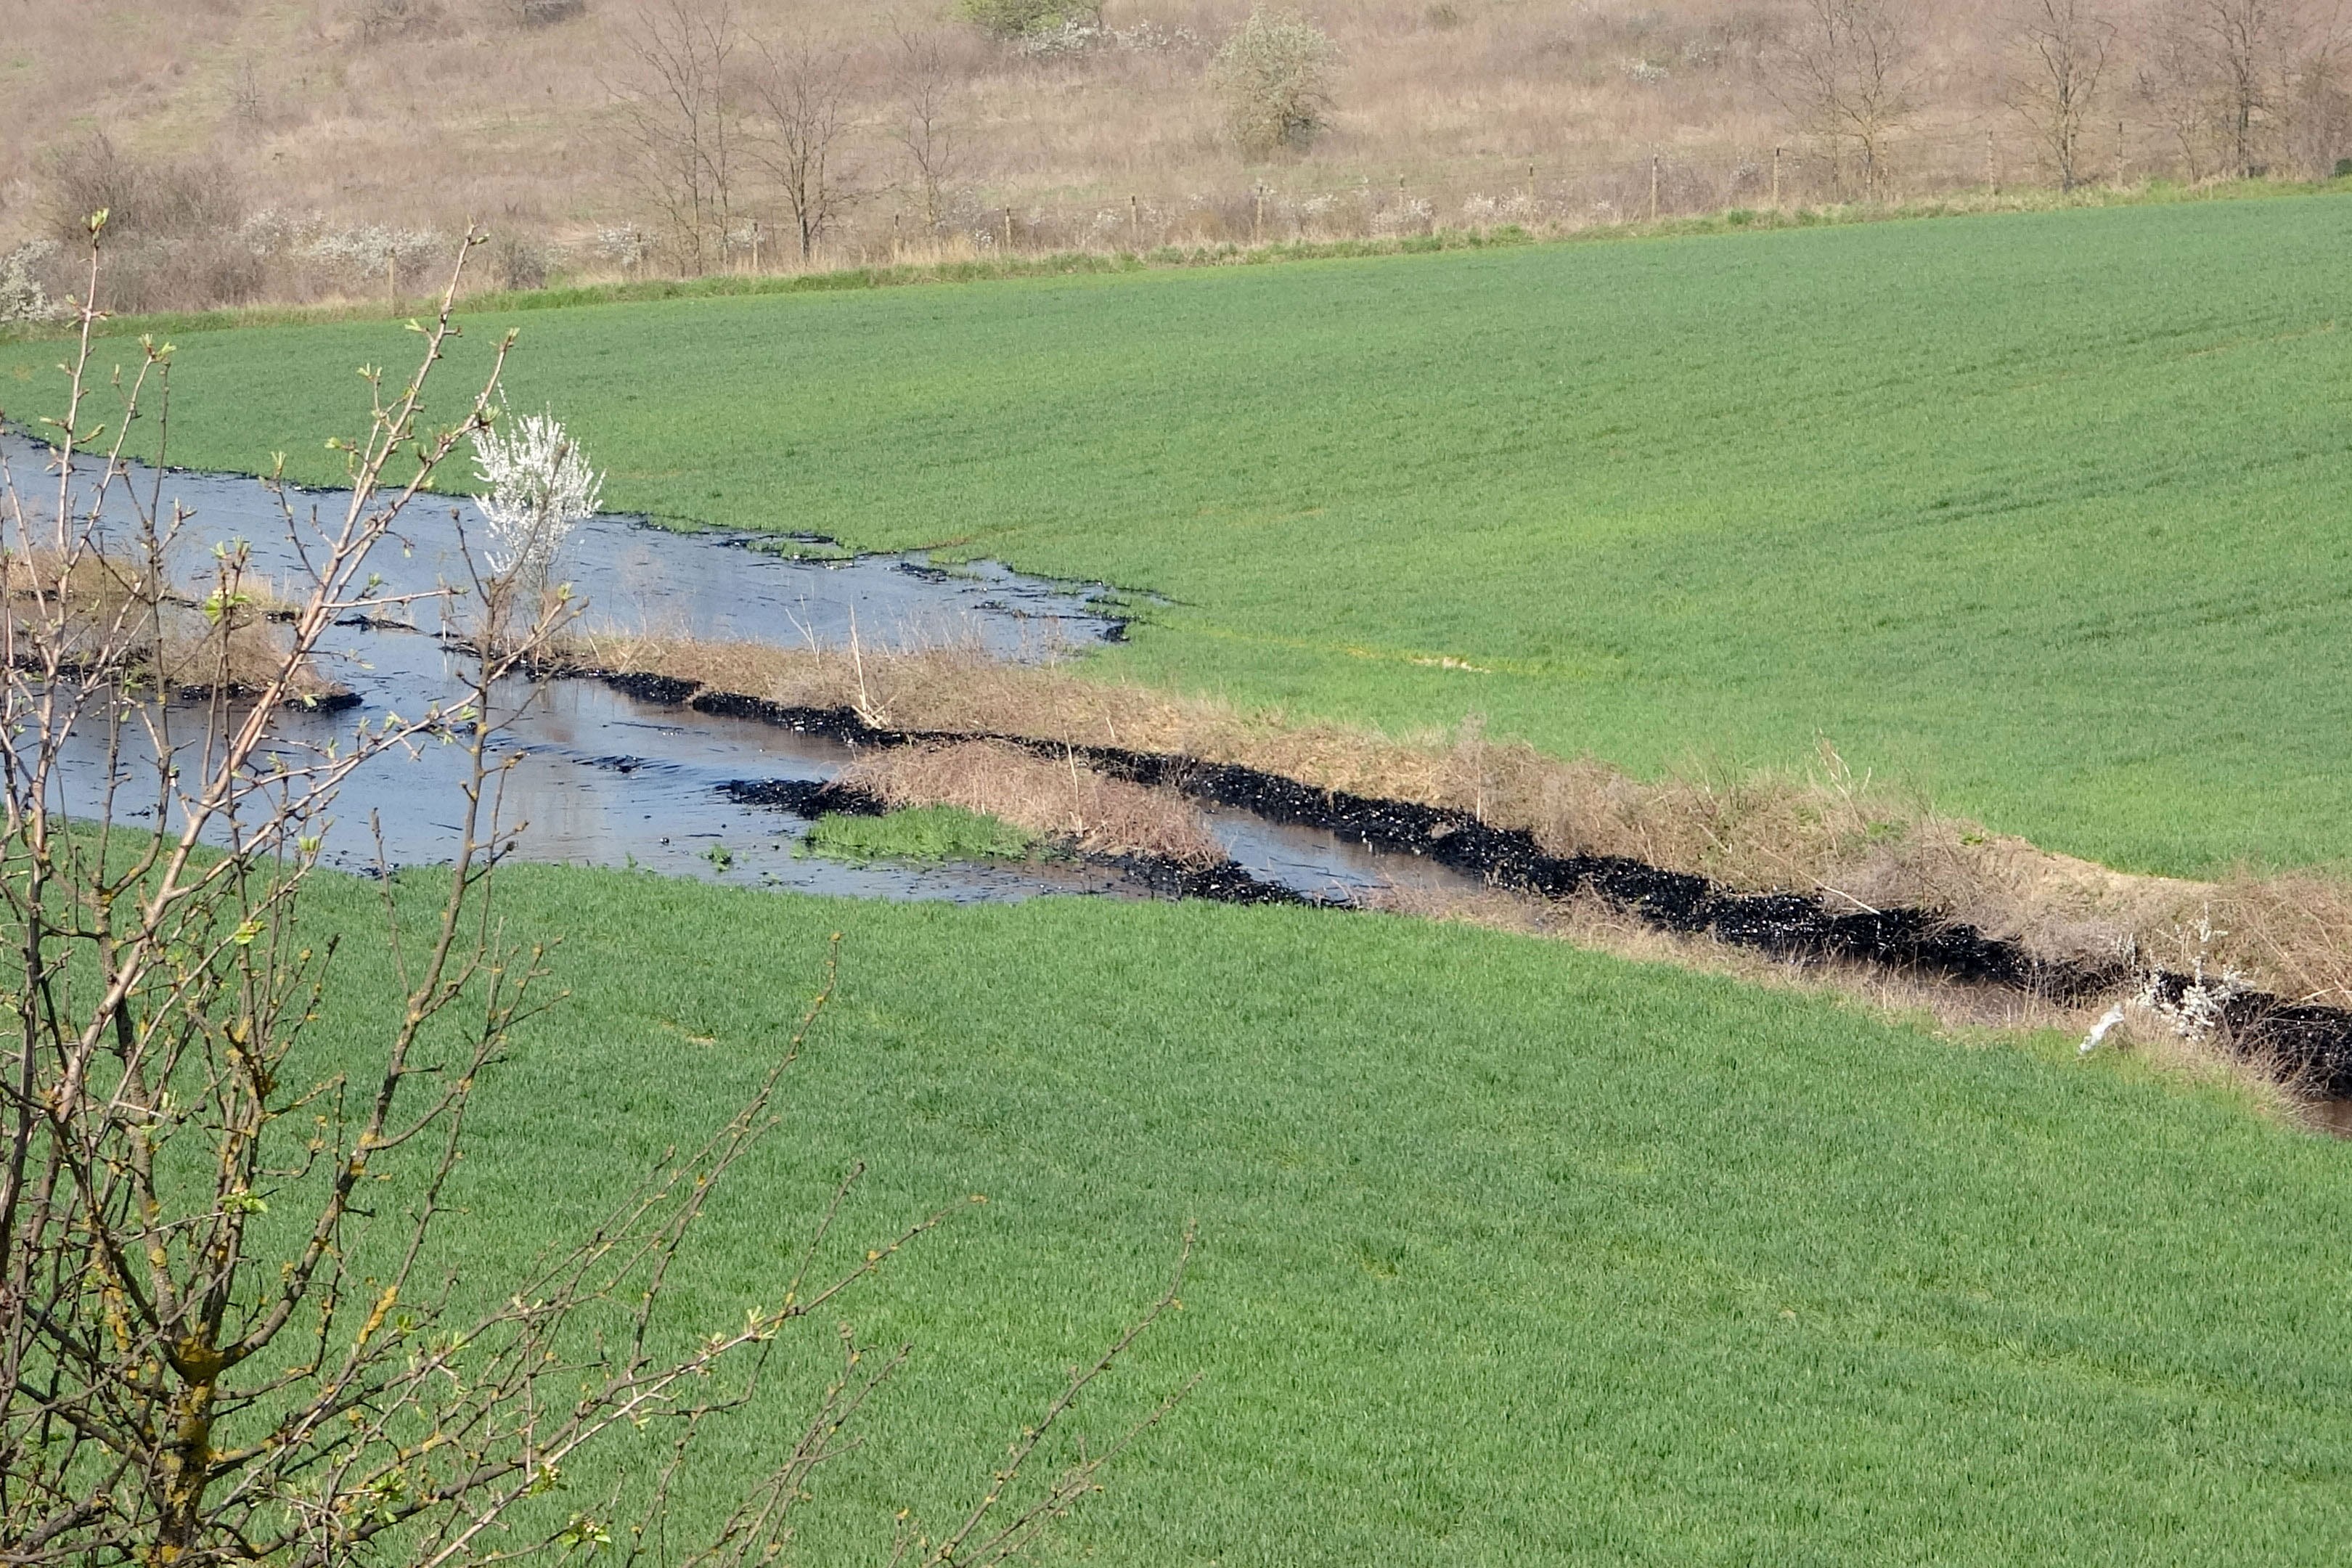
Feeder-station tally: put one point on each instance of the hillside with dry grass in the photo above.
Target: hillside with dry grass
(323, 149)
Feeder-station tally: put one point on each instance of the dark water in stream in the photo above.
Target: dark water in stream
(607, 779)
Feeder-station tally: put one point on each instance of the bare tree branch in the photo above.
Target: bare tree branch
(2061, 47)
(809, 115)
(678, 112)
(924, 80)
(1848, 71)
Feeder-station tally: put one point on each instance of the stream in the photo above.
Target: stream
(606, 778)
(603, 776)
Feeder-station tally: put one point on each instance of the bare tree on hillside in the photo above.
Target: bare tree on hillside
(2063, 47)
(924, 79)
(678, 114)
(2173, 88)
(2219, 73)
(228, 1332)
(1848, 71)
(809, 115)
(2319, 117)
(2244, 39)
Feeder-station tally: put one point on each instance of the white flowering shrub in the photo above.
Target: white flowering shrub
(623, 246)
(538, 489)
(368, 253)
(271, 233)
(1148, 37)
(22, 298)
(1275, 76)
(1076, 36)
(2194, 1009)
(1069, 37)
(2197, 1003)
(1517, 206)
(1107, 226)
(1411, 215)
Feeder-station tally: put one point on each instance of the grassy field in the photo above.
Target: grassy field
(2042, 513)
(1508, 1253)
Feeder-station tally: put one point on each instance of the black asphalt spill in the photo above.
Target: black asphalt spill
(2309, 1044)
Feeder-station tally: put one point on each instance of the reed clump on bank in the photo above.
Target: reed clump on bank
(109, 614)
(1066, 802)
(1850, 839)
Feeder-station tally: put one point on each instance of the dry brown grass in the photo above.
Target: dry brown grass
(1545, 112)
(1066, 801)
(106, 613)
(1850, 840)
(1594, 923)
(2294, 931)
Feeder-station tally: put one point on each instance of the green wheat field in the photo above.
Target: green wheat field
(1508, 1253)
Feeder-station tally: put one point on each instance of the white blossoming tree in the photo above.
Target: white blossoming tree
(539, 488)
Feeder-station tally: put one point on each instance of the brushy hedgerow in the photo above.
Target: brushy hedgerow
(1821, 829)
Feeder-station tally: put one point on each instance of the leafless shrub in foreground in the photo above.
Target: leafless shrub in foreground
(223, 1335)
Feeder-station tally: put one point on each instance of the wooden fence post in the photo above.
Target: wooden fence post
(1653, 187)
